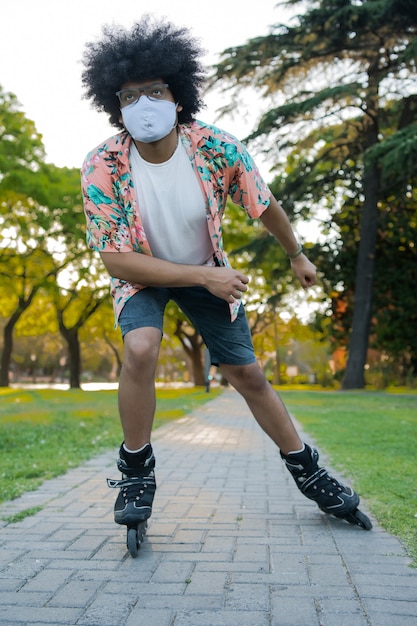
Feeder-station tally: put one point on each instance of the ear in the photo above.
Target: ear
(179, 108)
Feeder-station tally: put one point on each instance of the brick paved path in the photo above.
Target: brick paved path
(231, 543)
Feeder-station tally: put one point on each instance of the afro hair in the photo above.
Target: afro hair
(148, 50)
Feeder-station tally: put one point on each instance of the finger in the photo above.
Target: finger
(236, 295)
(308, 281)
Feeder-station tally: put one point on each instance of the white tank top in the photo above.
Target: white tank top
(172, 207)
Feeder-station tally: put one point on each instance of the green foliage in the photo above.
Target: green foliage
(258, 255)
(21, 145)
(291, 112)
(396, 156)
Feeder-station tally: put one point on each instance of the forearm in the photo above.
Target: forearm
(141, 269)
(149, 271)
(276, 221)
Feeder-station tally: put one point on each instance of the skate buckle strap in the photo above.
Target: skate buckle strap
(114, 484)
(305, 483)
(129, 482)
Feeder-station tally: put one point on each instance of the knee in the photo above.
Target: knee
(141, 350)
(247, 379)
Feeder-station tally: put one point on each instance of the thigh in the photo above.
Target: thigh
(228, 342)
(144, 309)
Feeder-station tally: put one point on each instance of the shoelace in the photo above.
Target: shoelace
(319, 481)
(133, 487)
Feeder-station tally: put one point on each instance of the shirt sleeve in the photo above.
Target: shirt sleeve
(106, 214)
(247, 188)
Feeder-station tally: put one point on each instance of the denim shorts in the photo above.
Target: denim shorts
(228, 342)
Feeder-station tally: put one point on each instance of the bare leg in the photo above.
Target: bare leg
(137, 385)
(265, 404)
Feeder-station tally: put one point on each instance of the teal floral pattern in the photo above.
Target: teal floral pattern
(223, 166)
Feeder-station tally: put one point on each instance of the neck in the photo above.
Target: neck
(158, 151)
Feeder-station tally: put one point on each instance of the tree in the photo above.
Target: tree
(341, 60)
(36, 244)
(43, 247)
(313, 177)
(102, 343)
(74, 308)
(22, 276)
(20, 148)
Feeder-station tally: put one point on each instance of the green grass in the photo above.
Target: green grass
(371, 437)
(45, 432)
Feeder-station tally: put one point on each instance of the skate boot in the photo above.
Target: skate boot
(330, 495)
(133, 506)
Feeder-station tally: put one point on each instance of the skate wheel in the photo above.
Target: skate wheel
(140, 532)
(135, 537)
(359, 519)
(132, 542)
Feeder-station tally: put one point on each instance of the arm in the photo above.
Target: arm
(276, 221)
(137, 268)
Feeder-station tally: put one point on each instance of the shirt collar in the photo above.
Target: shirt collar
(121, 142)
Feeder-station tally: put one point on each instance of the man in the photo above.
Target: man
(154, 197)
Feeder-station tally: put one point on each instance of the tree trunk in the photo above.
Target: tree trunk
(198, 368)
(193, 347)
(354, 377)
(6, 355)
(74, 352)
(276, 379)
(75, 361)
(116, 353)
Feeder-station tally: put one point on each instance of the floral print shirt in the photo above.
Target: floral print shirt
(223, 166)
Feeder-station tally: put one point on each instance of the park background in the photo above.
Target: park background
(326, 102)
(324, 94)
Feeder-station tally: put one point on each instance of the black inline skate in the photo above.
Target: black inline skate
(330, 495)
(133, 506)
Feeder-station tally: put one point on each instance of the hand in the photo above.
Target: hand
(226, 283)
(304, 270)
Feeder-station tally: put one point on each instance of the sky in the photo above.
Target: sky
(42, 42)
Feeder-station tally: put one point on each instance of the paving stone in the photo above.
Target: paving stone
(48, 580)
(150, 617)
(75, 593)
(35, 615)
(247, 596)
(222, 618)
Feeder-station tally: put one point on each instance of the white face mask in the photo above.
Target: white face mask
(149, 120)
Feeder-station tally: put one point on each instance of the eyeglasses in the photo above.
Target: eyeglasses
(156, 91)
